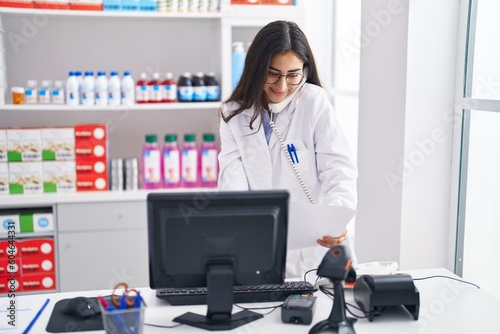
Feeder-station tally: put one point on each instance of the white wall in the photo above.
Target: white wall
(404, 146)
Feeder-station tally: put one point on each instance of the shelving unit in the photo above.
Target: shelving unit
(47, 44)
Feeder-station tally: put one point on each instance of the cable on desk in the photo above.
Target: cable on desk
(443, 276)
(162, 326)
(260, 308)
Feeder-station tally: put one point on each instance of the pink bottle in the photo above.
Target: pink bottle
(209, 165)
(189, 162)
(151, 163)
(171, 162)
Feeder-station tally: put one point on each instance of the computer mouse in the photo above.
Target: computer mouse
(82, 307)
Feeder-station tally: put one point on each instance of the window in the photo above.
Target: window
(478, 229)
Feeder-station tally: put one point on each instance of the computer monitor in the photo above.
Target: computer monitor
(217, 240)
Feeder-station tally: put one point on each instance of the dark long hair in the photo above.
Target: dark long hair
(277, 37)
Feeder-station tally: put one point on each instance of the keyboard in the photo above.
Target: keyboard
(242, 294)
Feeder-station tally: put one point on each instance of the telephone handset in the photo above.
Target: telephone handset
(276, 108)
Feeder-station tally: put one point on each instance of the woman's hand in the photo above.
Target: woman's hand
(329, 241)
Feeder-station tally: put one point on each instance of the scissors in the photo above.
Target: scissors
(122, 294)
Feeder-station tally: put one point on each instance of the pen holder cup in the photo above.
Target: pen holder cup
(126, 321)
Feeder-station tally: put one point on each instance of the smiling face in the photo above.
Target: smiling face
(282, 64)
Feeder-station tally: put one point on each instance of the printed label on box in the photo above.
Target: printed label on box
(33, 282)
(58, 144)
(24, 145)
(59, 176)
(4, 178)
(37, 247)
(37, 265)
(91, 182)
(36, 222)
(26, 178)
(93, 132)
(7, 221)
(43, 222)
(3, 145)
(91, 167)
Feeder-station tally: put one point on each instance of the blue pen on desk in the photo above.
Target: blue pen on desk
(37, 315)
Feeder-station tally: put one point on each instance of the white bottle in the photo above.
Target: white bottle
(72, 90)
(31, 92)
(88, 89)
(114, 89)
(44, 92)
(101, 89)
(58, 92)
(128, 89)
(79, 77)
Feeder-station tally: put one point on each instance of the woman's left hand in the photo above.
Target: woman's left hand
(329, 241)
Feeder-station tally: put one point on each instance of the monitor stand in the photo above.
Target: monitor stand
(219, 303)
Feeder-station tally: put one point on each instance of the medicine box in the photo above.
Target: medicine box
(5, 249)
(148, 5)
(36, 247)
(91, 182)
(7, 280)
(4, 178)
(36, 222)
(16, 3)
(38, 282)
(50, 4)
(85, 4)
(24, 145)
(3, 145)
(58, 144)
(59, 176)
(6, 221)
(37, 265)
(26, 177)
(130, 5)
(112, 5)
(245, 2)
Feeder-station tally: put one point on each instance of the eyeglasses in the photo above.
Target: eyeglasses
(292, 79)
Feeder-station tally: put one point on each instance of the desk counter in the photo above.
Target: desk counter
(446, 306)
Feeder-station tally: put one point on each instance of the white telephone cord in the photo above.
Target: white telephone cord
(290, 162)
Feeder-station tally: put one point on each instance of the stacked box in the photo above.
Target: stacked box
(58, 144)
(91, 155)
(37, 264)
(26, 177)
(85, 4)
(16, 3)
(10, 263)
(59, 176)
(51, 4)
(24, 145)
(4, 178)
(3, 145)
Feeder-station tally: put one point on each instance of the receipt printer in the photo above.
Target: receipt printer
(374, 292)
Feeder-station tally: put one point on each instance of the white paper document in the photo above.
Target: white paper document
(310, 222)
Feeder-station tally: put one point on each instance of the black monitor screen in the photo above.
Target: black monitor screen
(190, 231)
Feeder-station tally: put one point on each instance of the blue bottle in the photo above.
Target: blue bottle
(238, 62)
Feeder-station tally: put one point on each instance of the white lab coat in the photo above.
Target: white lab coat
(325, 162)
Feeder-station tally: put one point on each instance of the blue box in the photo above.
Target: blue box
(112, 5)
(149, 5)
(130, 5)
